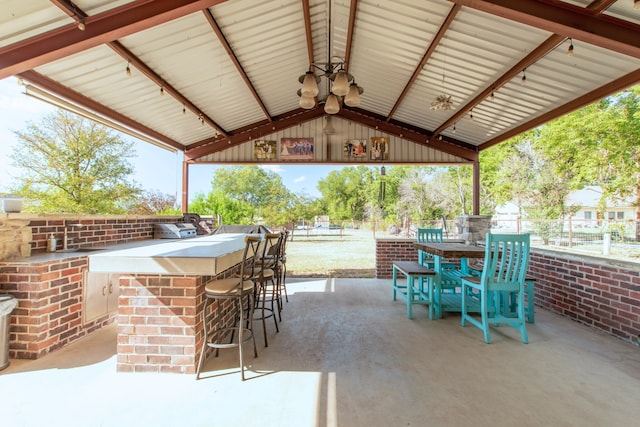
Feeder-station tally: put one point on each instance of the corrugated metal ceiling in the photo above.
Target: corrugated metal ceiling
(232, 66)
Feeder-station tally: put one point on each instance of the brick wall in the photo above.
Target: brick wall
(49, 311)
(598, 292)
(160, 326)
(393, 249)
(49, 294)
(95, 230)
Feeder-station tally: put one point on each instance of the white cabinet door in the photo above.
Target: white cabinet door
(113, 292)
(101, 291)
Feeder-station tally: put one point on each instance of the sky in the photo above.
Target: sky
(155, 169)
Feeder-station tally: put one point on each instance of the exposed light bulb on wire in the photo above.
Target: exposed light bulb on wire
(128, 69)
(570, 48)
(524, 77)
(161, 90)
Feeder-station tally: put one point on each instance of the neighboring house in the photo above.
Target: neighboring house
(588, 201)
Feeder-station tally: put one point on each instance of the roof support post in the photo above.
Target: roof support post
(185, 187)
(476, 187)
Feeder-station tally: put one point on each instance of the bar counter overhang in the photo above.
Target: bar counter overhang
(161, 298)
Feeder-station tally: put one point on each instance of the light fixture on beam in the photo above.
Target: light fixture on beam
(340, 84)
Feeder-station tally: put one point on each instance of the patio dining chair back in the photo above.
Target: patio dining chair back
(431, 235)
(504, 272)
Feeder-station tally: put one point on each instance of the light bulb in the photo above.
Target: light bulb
(332, 106)
(307, 102)
(310, 85)
(570, 49)
(352, 99)
(340, 85)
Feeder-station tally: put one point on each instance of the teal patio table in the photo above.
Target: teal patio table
(447, 280)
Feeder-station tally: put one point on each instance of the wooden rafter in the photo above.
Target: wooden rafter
(539, 52)
(89, 104)
(425, 58)
(593, 96)
(353, 10)
(566, 20)
(223, 40)
(101, 28)
(127, 55)
(248, 133)
(75, 12)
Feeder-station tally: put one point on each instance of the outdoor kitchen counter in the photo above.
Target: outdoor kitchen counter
(161, 298)
(203, 256)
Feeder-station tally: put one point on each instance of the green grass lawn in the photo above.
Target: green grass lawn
(312, 254)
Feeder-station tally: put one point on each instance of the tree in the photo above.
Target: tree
(155, 203)
(218, 203)
(73, 165)
(345, 192)
(246, 194)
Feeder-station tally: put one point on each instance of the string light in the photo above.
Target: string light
(570, 49)
(471, 114)
(184, 109)
(454, 128)
(524, 77)
(128, 69)
(80, 24)
(161, 90)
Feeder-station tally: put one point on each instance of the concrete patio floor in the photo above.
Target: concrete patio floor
(346, 355)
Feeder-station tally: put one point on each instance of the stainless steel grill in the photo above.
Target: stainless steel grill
(178, 230)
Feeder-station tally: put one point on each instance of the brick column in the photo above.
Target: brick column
(158, 320)
(160, 326)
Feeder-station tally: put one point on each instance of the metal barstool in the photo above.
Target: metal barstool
(238, 289)
(264, 276)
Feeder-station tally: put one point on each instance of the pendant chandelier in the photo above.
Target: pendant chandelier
(341, 86)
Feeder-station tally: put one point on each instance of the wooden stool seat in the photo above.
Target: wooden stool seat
(413, 294)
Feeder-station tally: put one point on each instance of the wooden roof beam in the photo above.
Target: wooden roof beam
(248, 133)
(566, 20)
(75, 12)
(91, 105)
(353, 10)
(425, 58)
(99, 29)
(225, 43)
(410, 133)
(539, 52)
(608, 89)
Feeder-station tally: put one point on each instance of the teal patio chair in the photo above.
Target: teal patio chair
(432, 235)
(504, 272)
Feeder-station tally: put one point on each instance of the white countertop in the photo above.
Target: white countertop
(203, 256)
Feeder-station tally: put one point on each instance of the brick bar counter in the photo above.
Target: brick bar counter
(161, 299)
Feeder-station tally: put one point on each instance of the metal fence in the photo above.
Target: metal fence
(608, 238)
